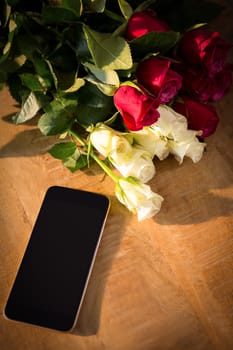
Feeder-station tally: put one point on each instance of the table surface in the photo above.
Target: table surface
(164, 283)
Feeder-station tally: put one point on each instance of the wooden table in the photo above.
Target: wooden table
(164, 283)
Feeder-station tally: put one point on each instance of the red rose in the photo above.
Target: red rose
(137, 109)
(200, 46)
(156, 76)
(143, 22)
(223, 82)
(200, 116)
(199, 85)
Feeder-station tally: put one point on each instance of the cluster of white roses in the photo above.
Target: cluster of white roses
(132, 155)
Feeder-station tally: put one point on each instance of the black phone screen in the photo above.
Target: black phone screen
(51, 281)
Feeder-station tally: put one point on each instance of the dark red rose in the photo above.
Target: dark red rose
(137, 109)
(156, 76)
(200, 116)
(199, 85)
(200, 46)
(223, 82)
(143, 22)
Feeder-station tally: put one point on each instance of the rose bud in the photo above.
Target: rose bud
(200, 46)
(143, 22)
(137, 109)
(199, 116)
(156, 76)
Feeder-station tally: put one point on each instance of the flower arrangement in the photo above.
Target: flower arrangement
(121, 83)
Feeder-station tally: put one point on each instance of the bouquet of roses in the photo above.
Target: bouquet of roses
(121, 83)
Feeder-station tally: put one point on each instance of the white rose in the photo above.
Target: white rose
(152, 141)
(121, 149)
(127, 159)
(105, 140)
(138, 198)
(101, 139)
(171, 129)
(136, 163)
(195, 151)
(146, 139)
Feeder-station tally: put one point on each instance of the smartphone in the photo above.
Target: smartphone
(51, 281)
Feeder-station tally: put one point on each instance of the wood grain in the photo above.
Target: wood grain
(165, 283)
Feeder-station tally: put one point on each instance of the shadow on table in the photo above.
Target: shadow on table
(90, 314)
(27, 143)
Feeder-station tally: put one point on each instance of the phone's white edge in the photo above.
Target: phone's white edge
(84, 290)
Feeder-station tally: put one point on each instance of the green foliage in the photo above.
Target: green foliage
(126, 9)
(63, 150)
(93, 106)
(108, 52)
(65, 59)
(31, 81)
(70, 155)
(76, 161)
(154, 42)
(56, 16)
(74, 6)
(94, 5)
(58, 117)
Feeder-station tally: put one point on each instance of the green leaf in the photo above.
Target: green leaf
(12, 27)
(153, 42)
(106, 89)
(74, 6)
(44, 70)
(17, 90)
(63, 58)
(107, 76)
(57, 15)
(31, 81)
(81, 49)
(58, 117)
(108, 52)
(93, 105)
(78, 83)
(36, 37)
(52, 73)
(72, 158)
(29, 109)
(126, 9)
(5, 14)
(63, 150)
(145, 4)
(198, 25)
(94, 5)
(76, 161)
